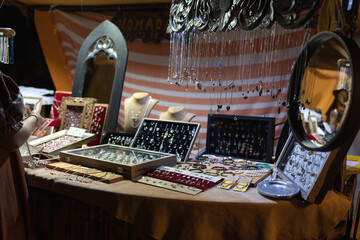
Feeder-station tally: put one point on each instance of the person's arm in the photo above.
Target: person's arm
(15, 140)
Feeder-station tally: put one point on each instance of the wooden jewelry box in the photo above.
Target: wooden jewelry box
(128, 161)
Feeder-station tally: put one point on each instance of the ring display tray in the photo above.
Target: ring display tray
(128, 161)
(246, 137)
(308, 169)
(166, 136)
(59, 141)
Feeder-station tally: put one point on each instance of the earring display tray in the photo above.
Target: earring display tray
(167, 136)
(128, 161)
(123, 139)
(59, 141)
(246, 137)
(305, 168)
(179, 180)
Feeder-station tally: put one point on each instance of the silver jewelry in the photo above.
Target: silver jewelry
(135, 117)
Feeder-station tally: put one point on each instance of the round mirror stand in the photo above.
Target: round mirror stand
(324, 93)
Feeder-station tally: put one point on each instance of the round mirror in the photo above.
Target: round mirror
(322, 95)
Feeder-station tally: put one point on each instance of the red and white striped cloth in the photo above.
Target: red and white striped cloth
(251, 57)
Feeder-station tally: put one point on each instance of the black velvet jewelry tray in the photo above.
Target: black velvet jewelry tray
(122, 139)
(166, 136)
(247, 137)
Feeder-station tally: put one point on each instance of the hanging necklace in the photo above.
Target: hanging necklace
(135, 117)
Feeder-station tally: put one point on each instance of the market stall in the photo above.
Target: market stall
(143, 142)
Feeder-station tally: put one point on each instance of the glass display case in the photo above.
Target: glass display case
(128, 161)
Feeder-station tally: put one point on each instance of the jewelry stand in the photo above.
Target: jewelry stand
(137, 107)
(247, 137)
(167, 136)
(177, 113)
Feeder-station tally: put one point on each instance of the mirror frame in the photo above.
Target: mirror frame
(350, 125)
(110, 30)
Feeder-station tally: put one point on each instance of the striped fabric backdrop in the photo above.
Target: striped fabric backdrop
(248, 57)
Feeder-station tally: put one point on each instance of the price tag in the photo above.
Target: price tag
(76, 132)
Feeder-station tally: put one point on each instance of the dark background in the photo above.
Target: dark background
(29, 68)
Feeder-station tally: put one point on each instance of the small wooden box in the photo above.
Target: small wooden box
(76, 142)
(128, 161)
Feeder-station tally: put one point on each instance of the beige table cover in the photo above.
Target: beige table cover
(213, 214)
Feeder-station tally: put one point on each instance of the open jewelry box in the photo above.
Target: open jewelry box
(128, 161)
(166, 136)
(246, 137)
(56, 142)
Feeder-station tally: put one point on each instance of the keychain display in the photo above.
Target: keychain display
(7, 45)
(167, 136)
(241, 136)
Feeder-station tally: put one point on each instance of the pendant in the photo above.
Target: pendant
(135, 118)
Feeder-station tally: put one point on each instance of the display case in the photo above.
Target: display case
(127, 161)
(98, 120)
(246, 137)
(56, 142)
(76, 112)
(123, 139)
(306, 168)
(166, 136)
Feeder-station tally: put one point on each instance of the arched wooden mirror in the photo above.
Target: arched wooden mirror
(323, 95)
(100, 69)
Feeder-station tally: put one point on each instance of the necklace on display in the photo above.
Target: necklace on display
(135, 117)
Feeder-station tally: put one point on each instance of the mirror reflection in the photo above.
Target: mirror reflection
(324, 93)
(99, 77)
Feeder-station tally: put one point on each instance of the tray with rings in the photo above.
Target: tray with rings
(128, 161)
(305, 168)
(59, 141)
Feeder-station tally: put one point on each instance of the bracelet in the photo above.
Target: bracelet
(37, 119)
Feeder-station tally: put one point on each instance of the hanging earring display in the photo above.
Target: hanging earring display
(7, 45)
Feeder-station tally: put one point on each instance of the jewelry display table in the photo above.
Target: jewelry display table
(81, 207)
